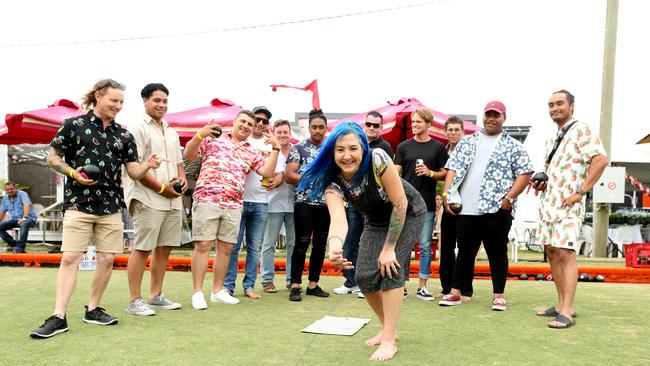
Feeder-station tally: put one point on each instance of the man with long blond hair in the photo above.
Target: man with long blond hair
(92, 203)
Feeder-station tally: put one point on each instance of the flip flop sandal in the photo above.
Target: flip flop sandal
(567, 323)
(551, 312)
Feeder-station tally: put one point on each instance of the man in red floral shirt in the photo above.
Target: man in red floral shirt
(218, 198)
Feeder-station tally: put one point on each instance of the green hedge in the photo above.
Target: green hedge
(625, 219)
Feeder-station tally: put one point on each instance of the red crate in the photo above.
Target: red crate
(637, 255)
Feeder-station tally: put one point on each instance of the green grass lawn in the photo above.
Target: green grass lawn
(612, 327)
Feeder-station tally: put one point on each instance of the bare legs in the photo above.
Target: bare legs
(136, 266)
(565, 276)
(66, 280)
(200, 264)
(386, 305)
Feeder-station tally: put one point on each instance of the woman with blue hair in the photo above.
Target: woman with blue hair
(347, 171)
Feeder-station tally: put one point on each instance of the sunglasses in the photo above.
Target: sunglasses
(374, 125)
(110, 83)
(263, 120)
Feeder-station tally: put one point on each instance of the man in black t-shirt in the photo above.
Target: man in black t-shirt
(372, 127)
(421, 161)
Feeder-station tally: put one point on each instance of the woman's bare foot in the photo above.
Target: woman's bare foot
(386, 351)
(376, 340)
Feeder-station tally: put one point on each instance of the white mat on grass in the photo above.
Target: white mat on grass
(336, 325)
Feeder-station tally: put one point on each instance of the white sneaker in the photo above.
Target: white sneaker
(344, 290)
(224, 296)
(361, 295)
(198, 301)
(138, 307)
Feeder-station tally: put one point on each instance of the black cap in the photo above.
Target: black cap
(262, 109)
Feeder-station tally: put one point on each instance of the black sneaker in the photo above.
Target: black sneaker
(294, 295)
(98, 316)
(317, 291)
(52, 326)
(406, 294)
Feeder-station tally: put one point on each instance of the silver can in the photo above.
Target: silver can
(419, 162)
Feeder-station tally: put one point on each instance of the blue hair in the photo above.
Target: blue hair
(323, 169)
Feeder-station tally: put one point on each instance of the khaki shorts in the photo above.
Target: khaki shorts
(563, 234)
(210, 222)
(154, 228)
(80, 227)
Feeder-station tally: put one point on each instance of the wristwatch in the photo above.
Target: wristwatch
(510, 199)
(581, 192)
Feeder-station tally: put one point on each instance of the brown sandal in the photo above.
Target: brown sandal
(269, 287)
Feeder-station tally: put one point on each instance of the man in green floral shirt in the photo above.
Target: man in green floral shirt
(576, 165)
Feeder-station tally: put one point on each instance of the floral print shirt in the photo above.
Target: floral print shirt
(304, 153)
(567, 170)
(83, 140)
(508, 160)
(224, 166)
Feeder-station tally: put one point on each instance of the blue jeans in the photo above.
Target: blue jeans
(24, 232)
(253, 221)
(271, 233)
(351, 244)
(425, 245)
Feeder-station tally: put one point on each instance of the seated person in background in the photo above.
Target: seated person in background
(19, 206)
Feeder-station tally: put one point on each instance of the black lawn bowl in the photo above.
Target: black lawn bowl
(90, 171)
(178, 187)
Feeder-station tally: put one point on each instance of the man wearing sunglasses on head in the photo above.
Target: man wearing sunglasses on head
(254, 213)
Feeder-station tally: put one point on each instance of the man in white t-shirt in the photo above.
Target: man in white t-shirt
(254, 213)
(280, 211)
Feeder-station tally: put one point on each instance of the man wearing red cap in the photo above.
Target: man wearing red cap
(487, 171)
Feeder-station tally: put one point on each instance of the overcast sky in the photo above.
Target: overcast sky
(453, 55)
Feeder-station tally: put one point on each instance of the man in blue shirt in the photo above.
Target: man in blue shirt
(19, 206)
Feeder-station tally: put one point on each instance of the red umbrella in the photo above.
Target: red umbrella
(186, 123)
(397, 121)
(39, 126)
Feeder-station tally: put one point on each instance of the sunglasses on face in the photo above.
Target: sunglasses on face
(374, 125)
(263, 120)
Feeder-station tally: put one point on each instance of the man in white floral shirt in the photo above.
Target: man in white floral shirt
(487, 170)
(575, 166)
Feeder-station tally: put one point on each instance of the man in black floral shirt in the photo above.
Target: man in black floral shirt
(92, 205)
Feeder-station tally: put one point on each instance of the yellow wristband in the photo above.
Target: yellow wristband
(199, 136)
(430, 173)
(71, 172)
(162, 188)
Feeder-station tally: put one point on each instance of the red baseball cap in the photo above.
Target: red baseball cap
(495, 105)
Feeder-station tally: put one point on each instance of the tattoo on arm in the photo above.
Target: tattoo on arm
(397, 219)
(57, 163)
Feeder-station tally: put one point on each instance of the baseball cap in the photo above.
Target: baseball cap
(262, 109)
(495, 105)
